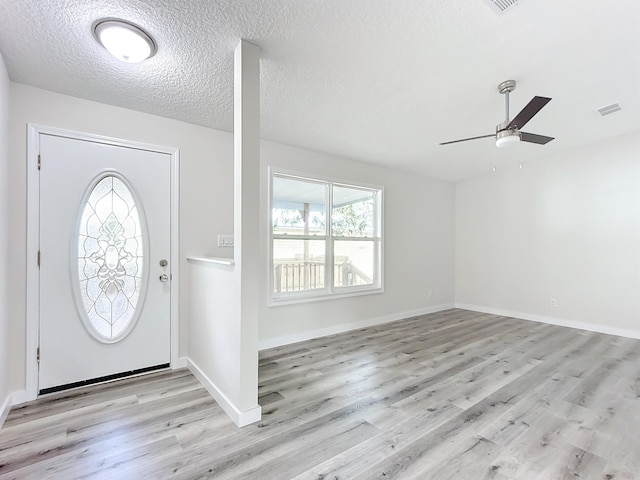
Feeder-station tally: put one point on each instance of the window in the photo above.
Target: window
(326, 238)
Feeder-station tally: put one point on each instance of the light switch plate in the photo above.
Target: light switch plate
(225, 240)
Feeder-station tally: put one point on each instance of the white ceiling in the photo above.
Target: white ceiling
(378, 81)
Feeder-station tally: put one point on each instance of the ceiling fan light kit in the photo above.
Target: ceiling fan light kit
(508, 132)
(507, 138)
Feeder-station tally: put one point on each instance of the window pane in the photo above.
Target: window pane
(298, 265)
(298, 206)
(353, 262)
(353, 212)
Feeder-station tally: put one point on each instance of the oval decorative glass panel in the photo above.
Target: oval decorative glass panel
(110, 260)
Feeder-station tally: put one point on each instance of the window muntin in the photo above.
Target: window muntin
(325, 238)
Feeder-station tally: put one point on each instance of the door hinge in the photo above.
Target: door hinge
(38, 258)
(38, 355)
(39, 162)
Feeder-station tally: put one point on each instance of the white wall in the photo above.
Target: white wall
(206, 188)
(4, 241)
(215, 337)
(419, 217)
(567, 228)
(418, 248)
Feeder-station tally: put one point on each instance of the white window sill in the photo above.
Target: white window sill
(310, 297)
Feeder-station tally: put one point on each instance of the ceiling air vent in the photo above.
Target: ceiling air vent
(613, 108)
(502, 5)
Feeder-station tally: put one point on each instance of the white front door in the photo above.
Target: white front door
(105, 244)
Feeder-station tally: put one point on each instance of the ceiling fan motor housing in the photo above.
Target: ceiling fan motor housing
(501, 128)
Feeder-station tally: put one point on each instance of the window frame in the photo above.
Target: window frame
(329, 291)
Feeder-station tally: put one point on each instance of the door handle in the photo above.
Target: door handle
(164, 277)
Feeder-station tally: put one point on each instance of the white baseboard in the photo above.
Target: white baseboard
(4, 409)
(561, 322)
(181, 362)
(18, 397)
(345, 327)
(239, 417)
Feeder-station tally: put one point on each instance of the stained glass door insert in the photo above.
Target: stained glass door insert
(110, 260)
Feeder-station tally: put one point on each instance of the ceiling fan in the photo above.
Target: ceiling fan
(508, 132)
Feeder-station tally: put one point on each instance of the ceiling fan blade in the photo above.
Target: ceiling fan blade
(533, 138)
(527, 113)
(467, 139)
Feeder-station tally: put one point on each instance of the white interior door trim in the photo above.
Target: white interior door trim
(33, 235)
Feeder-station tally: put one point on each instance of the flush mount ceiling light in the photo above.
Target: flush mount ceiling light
(124, 40)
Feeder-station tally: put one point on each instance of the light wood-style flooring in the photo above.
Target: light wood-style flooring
(453, 395)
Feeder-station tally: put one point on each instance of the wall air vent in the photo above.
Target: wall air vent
(501, 5)
(613, 108)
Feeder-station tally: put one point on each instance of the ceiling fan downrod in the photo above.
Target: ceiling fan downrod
(506, 88)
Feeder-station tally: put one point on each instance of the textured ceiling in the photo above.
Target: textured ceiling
(379, 81)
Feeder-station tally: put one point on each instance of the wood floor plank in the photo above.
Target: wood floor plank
(82, 397)
(455, 394)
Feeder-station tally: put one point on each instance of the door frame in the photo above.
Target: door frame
(33, 240)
